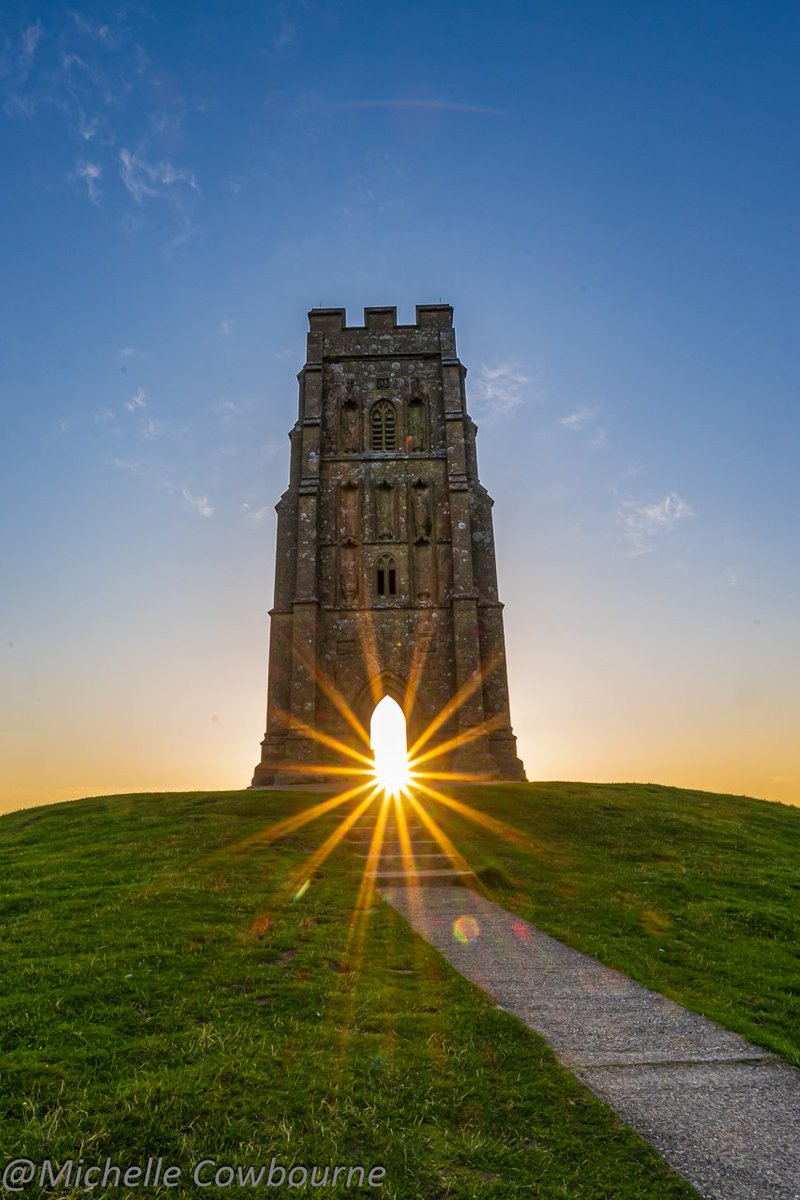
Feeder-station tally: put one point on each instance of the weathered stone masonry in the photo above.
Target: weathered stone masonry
(385, 579)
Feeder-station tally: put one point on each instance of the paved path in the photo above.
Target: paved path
(724, 1113)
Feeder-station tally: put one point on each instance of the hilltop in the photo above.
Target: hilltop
(172, 989)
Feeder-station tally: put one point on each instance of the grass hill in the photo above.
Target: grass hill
(168, 992)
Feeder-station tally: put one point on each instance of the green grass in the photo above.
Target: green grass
(162, 996)
(695, 895)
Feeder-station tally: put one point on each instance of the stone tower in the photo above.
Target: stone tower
(385, 579)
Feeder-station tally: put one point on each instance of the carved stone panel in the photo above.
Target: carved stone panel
(346, 660)
(348, 514)
(349, 426)
(423, 573)
(348, 575)
(385, 517)
(417, 425)
(421, 520)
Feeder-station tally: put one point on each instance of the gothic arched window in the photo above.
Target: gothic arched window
(386, 576)
(384, 426)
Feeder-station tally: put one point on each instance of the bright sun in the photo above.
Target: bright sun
(387, 732)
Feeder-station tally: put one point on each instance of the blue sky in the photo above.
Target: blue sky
(606, 193)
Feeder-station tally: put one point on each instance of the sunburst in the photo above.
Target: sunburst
(397, 778)
(389, 786)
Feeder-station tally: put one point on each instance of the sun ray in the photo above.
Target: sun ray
(406, 850)
(415, 794)
(460, 739)
(501, 828)
(316, 769)
(433, 827)
(265, 837)
(324, 739)
(352, 954)
(367, 885)
(327, 686)
(369, 652)
(422, 626)
(409, 864)
(476, 680)
(447, 776)
(306, 869)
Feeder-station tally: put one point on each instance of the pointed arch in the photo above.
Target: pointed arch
(416, 709)
(386, 576)
(385, 683)
(383, 426)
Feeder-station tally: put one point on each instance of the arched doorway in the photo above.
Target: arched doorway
(388, 740)
(416, 709)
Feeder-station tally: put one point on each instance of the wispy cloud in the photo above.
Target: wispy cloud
(644, 524)
(127, 352)
(225, 327)
(137, 400)
(159, 182)
(90, 173)
(286, 34)
(199, 503)
(100, 81)
(88, 127)
(577, 419)
(497, 391)
(584, 419)
(73, 60)
(30, 40)
(143, 178)
(228, 408)
(101, 33)
(435, 105)
(256, 515)
(15, 67)
(130, 465)
(152, 429)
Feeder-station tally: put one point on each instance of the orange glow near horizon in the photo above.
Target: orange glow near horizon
(179, 737)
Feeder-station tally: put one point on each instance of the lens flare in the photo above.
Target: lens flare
(301, 891)
(465, 929)
(390, 748)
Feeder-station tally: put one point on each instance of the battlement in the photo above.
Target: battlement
(334, 320)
